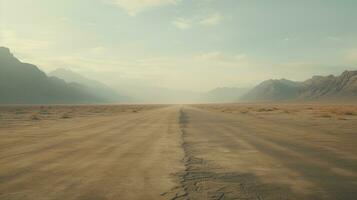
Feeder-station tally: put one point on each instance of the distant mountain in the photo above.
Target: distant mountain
(343, 87)
(22, 83)
(223, 95)
(331, 87)
(274, 90)
(70, 76)
(92, 86)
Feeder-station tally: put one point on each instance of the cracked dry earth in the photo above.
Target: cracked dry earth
(178, 152)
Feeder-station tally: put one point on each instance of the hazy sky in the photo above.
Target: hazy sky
(183, 44)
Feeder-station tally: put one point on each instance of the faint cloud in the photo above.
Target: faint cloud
(212, 20)
(133, 7)
(98, 50)
(352, 56)
(65, 20)
(333, 38)
(182, 23)
(217, 56)
(289, 39)
(91, 24)
(187, 23)
(23, 45)
(296, 65)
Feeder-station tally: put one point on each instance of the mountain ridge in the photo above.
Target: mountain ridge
(24, 83)
(92, 86)
(342, 87)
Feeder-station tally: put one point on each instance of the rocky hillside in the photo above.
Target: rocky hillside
(22, 83)
(274, 90)
(331, 87)
(343, 87)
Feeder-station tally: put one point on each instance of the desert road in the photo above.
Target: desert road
(179, 152)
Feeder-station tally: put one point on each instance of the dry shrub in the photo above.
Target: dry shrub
(261, 110)
(43, 110)
(341, 111)
(35, 117)
(287, 111)
(325, 115)
(266, 109)
(19, 112)
(349, 113)
(66, 116)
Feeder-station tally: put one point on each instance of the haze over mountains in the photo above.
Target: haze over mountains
(224, 95)
(25, 83)
(325, 88)
(93, 87)
(22, 83)
(166, 95)
(273, 90)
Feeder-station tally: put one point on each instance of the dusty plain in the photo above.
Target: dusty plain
(217, 151)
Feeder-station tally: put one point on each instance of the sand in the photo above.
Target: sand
(227, 151)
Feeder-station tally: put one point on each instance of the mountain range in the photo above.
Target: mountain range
(318, 88)
(92, 87)
(23, 83)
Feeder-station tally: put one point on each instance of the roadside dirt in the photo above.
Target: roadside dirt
(180, 152)
(240, 156)
(127, 156)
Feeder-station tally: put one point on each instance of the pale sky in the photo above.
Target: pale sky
(183, 44)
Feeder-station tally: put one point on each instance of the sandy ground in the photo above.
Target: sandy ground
(179, 152)
(131, 155)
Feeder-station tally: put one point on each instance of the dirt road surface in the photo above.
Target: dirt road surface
(179, 152)
(129, 156)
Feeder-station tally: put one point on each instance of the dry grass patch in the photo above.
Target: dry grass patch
(349, 113)
(66, 116)
(325, 115)
(35, 117)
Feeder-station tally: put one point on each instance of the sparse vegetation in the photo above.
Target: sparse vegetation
(35, 117)
(349, 113)
(66, 116)
(229, 126)
(14, 114)
(325, 115)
